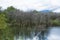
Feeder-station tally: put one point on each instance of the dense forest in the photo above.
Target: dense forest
(17, 22)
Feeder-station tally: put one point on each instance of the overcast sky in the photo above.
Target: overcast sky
(31, 4)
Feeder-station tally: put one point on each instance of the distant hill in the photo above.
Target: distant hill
(45, 11)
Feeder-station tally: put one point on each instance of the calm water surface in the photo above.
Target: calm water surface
(54, 34)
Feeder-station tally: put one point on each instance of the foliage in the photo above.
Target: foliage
(3, 20)
(56, 22)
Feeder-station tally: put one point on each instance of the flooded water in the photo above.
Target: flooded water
(54, 34)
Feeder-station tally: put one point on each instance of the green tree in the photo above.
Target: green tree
(3, 20)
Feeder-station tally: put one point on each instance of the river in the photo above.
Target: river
(54, 34)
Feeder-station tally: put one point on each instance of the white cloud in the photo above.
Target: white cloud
(55, 2)
(58, 10)
(30, 4)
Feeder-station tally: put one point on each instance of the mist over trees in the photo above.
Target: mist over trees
(17, 22)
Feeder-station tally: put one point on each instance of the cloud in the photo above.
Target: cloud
(58, 10)
(30, 4)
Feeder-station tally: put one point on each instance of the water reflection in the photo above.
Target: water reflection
(38, 36)
(54, 34)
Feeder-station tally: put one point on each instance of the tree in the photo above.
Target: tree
(3, 20)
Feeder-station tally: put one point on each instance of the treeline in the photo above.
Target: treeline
(14, 21)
